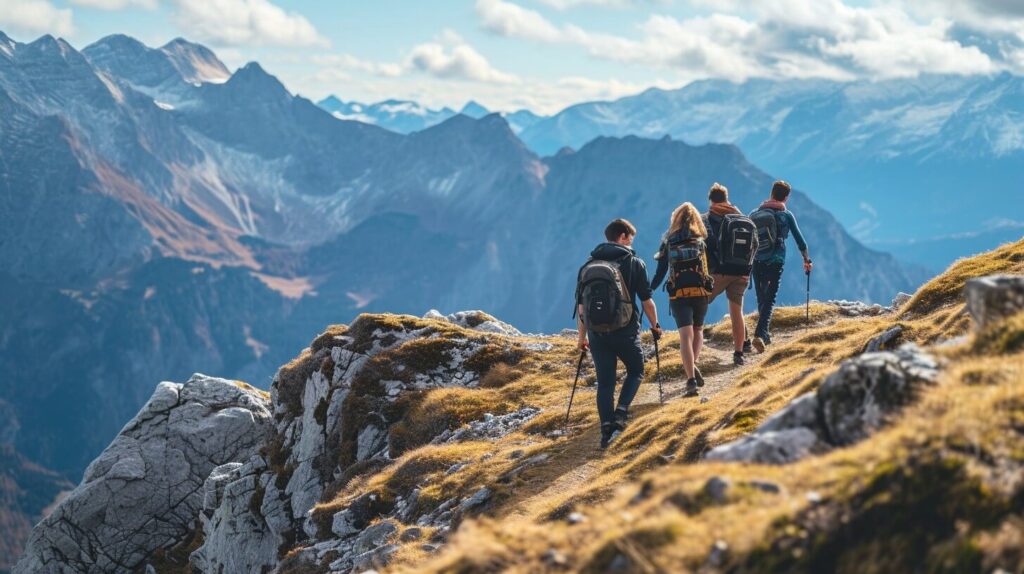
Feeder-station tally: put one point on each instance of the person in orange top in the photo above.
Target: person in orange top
(730, 277)
(684, 253)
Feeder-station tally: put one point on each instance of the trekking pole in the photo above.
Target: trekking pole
(579, 368)
(808, 298)
(657, 370)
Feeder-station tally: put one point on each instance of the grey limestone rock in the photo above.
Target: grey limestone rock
(994, 297)
(236, 537)
(146, 489)
(853, 402)
(770, 447)
(857, 399)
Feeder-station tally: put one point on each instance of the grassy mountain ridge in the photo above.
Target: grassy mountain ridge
(938, 489)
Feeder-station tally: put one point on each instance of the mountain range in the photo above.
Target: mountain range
(404, 116)
(162, 216)
(897, 161)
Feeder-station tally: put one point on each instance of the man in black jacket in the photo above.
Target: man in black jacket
(624, 343)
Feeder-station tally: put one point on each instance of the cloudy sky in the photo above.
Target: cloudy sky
(547, 54)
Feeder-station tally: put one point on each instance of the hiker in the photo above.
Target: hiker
(684, 253)
(606, 290)
(774, 224)
(732, 245)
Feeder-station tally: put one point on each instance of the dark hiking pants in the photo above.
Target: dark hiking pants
(767, 275)
(607, 349)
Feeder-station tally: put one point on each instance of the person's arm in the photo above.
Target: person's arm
(799, 238)
(644, 292)
(662, 269)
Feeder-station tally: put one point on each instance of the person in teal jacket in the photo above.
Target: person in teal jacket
(768, 264)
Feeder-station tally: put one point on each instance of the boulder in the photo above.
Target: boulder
(770, 447)
(900, 300)
(883, 340)
(852, 403)
(145, 490)
(857, 399)
(995, 297)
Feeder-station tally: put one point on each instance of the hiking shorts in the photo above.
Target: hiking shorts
(689, 311)
(732, 285)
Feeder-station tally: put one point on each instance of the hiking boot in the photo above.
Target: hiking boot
(767, 338)
(746, 347)
(698, 377)
(621, 419)
(758, 344)
(691, 388)
(606, 434)
(737, 358)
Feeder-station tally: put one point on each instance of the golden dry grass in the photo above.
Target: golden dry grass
(643, 498)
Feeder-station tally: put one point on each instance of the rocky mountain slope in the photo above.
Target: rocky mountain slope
(891, 159)
(160, 217)
(868, 440)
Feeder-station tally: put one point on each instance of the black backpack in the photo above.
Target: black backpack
(687, 260)
(737, 244)
(602, 291)
(767, 231)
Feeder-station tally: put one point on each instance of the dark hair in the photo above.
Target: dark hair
(780, 190)
(718, 193)
(617, 227)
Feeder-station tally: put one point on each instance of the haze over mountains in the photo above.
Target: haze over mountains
(162, 216)
(405, 116)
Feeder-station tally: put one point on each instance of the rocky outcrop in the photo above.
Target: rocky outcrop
(145, 490)
(859, 308)
(852, 403)
(333, 407)
(476, 320)
(237, 536)
(995, 297)
(490, 427)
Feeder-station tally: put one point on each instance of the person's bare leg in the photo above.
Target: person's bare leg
(739, 330)
(686, 350)
(698, 341)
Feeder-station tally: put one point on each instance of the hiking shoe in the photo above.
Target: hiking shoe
(746, 346)
(606, 434)
(737, 358)
(698, 377)
(621, 419)
(758, 344)
(691, 388)
(767, 338)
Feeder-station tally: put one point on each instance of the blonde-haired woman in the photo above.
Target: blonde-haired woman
(683, 257)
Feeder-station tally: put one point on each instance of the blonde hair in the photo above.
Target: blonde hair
(686, 216)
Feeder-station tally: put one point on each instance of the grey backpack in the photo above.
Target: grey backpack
(767, 225)
(602, 291)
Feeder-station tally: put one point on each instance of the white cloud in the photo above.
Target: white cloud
(770, 38)
(567, 4)
(507, 19)
(246, 22)
(352, 63)
(457, 61)
(35, 17)
(449, 57)
(116, 4)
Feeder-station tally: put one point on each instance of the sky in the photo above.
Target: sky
(545, 55)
